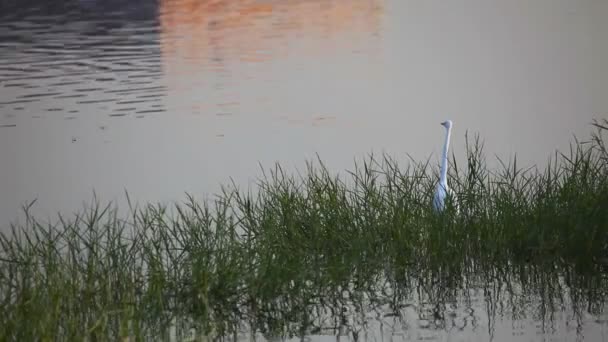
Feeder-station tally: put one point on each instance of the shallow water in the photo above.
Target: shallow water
(486, 311)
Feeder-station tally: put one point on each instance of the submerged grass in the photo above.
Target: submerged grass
(312, 251)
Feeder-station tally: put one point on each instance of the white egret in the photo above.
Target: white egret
(443, 192)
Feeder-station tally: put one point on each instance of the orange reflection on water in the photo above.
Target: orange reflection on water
(217, 32)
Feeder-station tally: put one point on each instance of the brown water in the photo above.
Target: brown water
(171, 96)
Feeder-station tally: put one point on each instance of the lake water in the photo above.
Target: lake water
(162, 97)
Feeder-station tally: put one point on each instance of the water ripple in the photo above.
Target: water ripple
(63, 65)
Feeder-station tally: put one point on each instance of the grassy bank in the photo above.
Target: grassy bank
(313, 251)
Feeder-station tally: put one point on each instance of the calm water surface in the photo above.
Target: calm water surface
(163, 97)
(171, 96)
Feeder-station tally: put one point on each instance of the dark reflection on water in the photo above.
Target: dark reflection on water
(63, 56)
(67, 10)
(548, 302)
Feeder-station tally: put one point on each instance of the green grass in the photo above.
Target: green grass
(307, 252)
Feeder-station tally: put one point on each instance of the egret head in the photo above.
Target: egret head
(447, 124)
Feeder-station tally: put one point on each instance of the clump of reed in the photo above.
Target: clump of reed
(312, 251)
